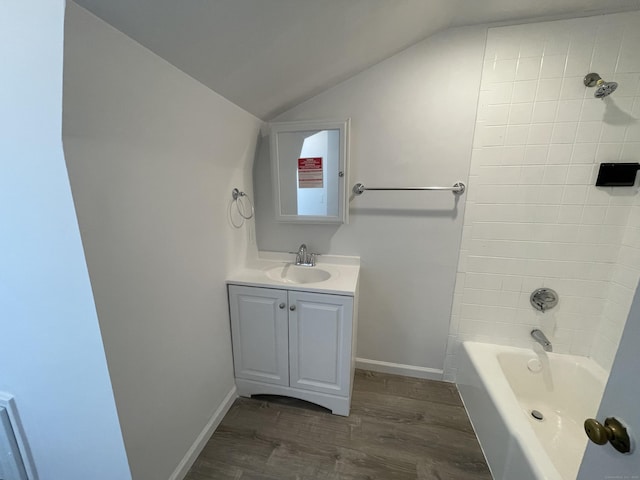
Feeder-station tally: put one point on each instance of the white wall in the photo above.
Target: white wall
(534, 217)
(153, 156)
(412, 124)
(51, 355)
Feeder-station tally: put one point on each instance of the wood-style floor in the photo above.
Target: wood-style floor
(399, 428)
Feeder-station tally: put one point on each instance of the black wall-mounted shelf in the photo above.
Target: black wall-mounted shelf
(617, 174)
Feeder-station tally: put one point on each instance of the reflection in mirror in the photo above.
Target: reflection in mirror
(309, 171)
(308, 160)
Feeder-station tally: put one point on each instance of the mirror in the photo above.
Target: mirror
(309, 162)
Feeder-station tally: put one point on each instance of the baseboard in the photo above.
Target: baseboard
(399, 369)
(190, 457)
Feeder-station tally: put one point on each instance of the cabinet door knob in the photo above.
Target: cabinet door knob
(292, 308)
(282, 305)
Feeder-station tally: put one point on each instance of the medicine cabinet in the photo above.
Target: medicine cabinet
(309, 169)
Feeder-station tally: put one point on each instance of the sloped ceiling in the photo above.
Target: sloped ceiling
(269, 55)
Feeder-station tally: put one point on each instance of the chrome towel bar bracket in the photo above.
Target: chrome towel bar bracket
(458, 188)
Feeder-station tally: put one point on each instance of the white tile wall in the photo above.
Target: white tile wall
(624, 281)
(534, 217)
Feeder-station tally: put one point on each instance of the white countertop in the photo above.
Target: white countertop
(343, 281)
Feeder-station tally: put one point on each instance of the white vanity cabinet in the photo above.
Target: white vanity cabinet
(294, 343)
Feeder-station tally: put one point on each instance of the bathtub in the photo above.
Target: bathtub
(501, 386)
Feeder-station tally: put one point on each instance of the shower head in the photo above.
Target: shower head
(603, 89)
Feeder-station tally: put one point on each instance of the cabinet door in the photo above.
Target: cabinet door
(259, 334)
(320, 342)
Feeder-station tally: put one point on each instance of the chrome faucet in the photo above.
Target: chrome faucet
(304, 258)
(542, 339)
(301, 258)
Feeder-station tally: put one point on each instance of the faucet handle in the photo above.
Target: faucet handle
(298, 259)
(543, 299)
(309, 260)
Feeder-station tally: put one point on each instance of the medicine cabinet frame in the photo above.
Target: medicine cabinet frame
(340, 177)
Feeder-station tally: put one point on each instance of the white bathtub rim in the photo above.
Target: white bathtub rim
(504, 398)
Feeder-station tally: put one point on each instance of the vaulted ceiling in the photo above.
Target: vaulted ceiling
(269, 55)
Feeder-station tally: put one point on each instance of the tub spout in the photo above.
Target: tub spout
(542, 339)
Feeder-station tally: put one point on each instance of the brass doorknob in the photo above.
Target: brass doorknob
(612, 431)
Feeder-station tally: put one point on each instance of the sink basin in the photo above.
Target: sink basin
(290, 273)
